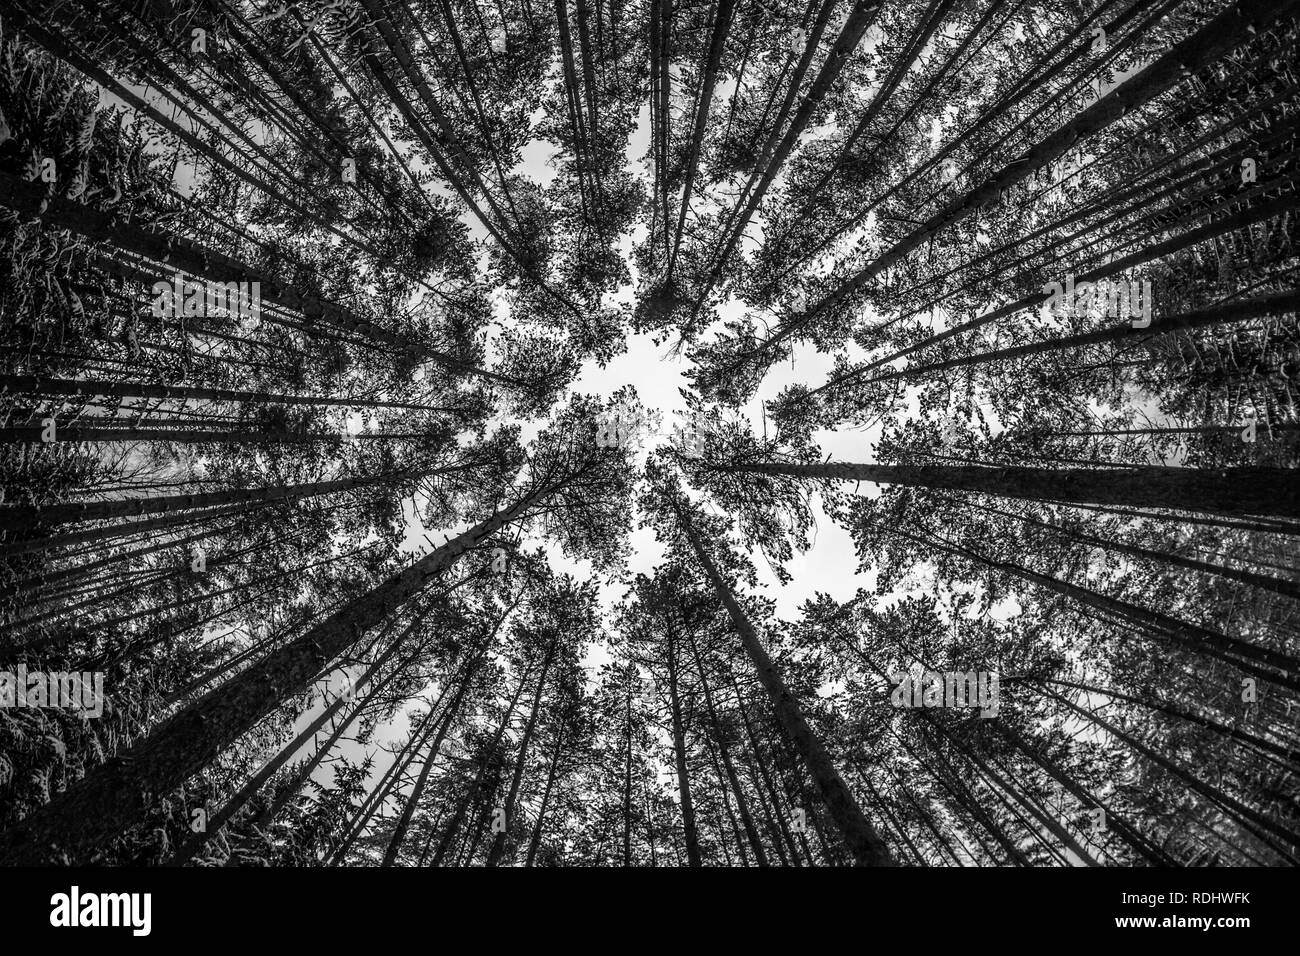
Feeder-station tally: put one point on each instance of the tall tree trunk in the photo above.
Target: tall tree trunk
(27, 516)
(113, 797)
(512, 796)
(865, 845)
(724, 752)
(1290, 754)
(232, 805)
(769, 821)
(1114, 821)
(194, 260)
(722, 788)
(42, 385)
(192, 436)
(1243, 219)
(375, 799)
(650, 823)
(1202, 640)
(536, 839)
(431, 756)
(1212, 41)
(466, 680)
(627, 773)
(1239, 310)
(717, 41)
(861, 16)
(474, 791)
(1253, 578)
(1277, 836)
(679, 752)
(1237, 491)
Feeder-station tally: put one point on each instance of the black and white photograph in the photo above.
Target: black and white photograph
(649, 437)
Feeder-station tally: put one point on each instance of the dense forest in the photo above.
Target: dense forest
(300, 481)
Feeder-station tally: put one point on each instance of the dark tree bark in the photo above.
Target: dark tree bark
(1234, 491)
(498, 847)
(112, 797)
(679, 754)
(865, 845)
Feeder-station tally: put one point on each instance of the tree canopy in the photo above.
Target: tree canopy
(302, 303)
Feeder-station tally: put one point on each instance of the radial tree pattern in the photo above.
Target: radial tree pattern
(314, 550)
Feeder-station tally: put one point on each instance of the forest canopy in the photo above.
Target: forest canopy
(325, 541)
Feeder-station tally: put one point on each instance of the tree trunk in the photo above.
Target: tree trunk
(1197, 639)
(499, 840)
(536, 839)
(860, 18)
(1240, 310)
(1238, 491)
(41, 385)
(742, 804)
(627, 775)
(865, 845)
(27, 516)
(114, 796)
(679, 752)
(475, 789)
(286, 753)
(717, 41)
(431, 757)
(1212, 41)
